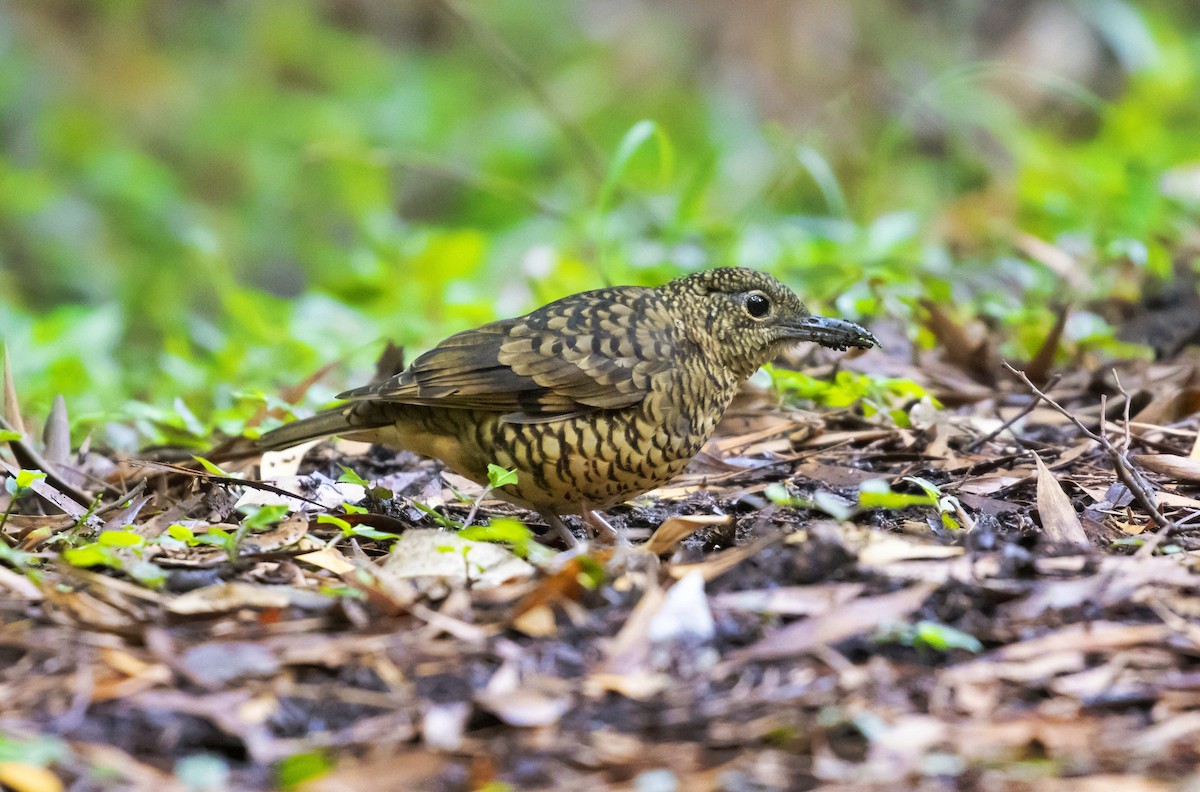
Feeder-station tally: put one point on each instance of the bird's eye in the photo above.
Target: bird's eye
(758, 305)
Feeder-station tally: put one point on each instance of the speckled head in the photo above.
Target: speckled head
(746, 318)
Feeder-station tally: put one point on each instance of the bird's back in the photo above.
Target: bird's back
(593, 399)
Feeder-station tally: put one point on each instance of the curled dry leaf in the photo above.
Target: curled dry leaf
(1059, 519)
(674, 530)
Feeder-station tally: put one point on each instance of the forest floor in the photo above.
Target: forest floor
(1014, 608)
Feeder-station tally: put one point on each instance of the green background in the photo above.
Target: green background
(201, 203)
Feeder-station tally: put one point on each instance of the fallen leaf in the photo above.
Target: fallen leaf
(674, 530)
(1181, 468)
(789, 600)
(232, 596)
(328, 559)
(22, 777)
(1059, 520)
(848, 621)
(684, 614)
(448, 558)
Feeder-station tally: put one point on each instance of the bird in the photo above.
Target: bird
(594, 398)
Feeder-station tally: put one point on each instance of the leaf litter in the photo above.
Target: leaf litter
(998, 594)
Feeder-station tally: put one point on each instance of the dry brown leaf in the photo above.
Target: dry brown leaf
(789, 600)
(1038, 369)
(969, 350)
(12, 407)
(21, 777)
(1169, 406)
(19, 585)
(1058, 516)
(720, 563)
(888, 548)
(278, 465)
(446, 557)
(526, 702)
(674, 530)
(413, 769)
(328, 559)
(537, 621)
(61, 500)
(1180, 468)
(852, 619)
(636, 685)
(1089, 637)
(232, 596)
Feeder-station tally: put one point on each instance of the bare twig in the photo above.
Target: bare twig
(1129, 475)
(977, 443)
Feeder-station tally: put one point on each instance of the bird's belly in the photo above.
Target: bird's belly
(565, 466)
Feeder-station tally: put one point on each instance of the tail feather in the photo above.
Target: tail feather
(337, 421)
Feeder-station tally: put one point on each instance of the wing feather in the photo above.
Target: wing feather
(569, 357)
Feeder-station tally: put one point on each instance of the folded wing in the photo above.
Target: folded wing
(591, 351)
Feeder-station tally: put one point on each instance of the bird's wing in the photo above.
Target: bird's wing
(598, 350)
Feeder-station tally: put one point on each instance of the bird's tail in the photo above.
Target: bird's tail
(341, 420)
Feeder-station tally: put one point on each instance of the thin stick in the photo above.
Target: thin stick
(974, 444)
(1132, 478)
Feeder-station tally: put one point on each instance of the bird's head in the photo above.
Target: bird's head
(751, 317)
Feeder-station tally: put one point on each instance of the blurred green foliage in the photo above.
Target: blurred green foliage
(203, 202)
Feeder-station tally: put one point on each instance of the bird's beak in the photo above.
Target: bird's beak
(833, 333)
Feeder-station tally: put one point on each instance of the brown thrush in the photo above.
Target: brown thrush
(594, 398)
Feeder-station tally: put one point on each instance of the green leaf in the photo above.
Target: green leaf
(591, 573)
(120, 539)
(25, 478)
(437, 516)
(6, 436)
(349, 476)
(210, 467)
(181, 533)
(372, 533)
(502, 529)
(943, 638)
(298, 768)
(878, 494)
(633, 140)
(350, 508)
(338, 522)
(931, 490)
(778, 494)
(500, 477)
(40, 750)
(89, 555)
(213, 536)
(259, 518)
(147, 573)
(826, 180)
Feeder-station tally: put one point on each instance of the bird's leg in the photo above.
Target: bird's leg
(602, 527)
(559, 527)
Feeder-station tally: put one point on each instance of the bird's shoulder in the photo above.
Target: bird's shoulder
(602, 349)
